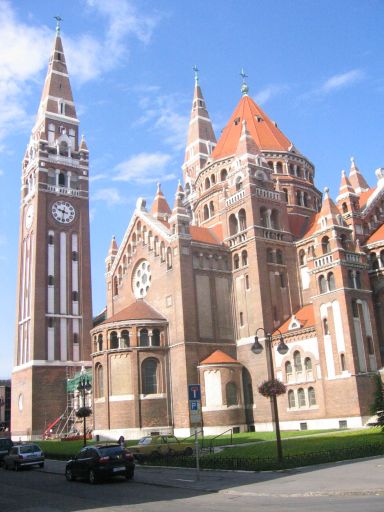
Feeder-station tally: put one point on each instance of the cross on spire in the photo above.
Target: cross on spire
(244, 86)
(196, 70)
(58, 19)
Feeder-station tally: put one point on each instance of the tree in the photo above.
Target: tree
(377, 406)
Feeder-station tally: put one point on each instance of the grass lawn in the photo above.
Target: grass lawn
(324, 440)
(329, 441)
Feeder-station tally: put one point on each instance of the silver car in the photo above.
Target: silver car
(24, 455)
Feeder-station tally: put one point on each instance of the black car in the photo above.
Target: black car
(5, 446)
(95, 463)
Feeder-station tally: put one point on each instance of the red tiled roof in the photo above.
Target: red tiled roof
(205, 235)
(138, 310)
(297, 224)
(313, 226)
(219, 357)
(377, 236)
(364, 196)
(305, 316)
(264, 132)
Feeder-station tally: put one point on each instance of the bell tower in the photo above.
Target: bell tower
(54, 304)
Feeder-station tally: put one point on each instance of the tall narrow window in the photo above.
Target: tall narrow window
(247, 282)
(100, 342)
(342, 362)
(241, 319)
(291, 399)
(231, 393)
(297, 361)
(288, 370)
(144, 338)
(301, 397)
(331, 281)
(325, 326)
(355, 309)
(114, 340)
(149, 370)
(244, 258)
(311, 396)
(99, 374)
(325, 245)
(124, 339)
(322, 284)
(156, 338)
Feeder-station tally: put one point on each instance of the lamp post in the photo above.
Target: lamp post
(84, 387)
(282, 348)
(2, 402)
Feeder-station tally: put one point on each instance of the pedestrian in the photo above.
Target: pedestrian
(121, 441)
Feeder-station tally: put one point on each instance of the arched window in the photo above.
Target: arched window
(264, 217)
(311, 397)
(99, 374)
(213, 179)
(302, 258)
(275, 224)
(326, 327)
(206, 212)
(100, 342)
(231, 393)
(297, 361)
(124, 339)
(279, 257)
(207, 183)
(374, 262)
(149, 370)
(288, 370)
(325, 245)
(169, 258)
(344, 207)
(343, 241)
(156, 338)
(244, 258)
(113, 340)
(144, 338)
(233, 225)
(301, 397)
(270, 256)
(239, 183)
(62, 179)
(279, 167)
(298, 198)
(322, 284)
(355, 309)
(223, 175)
(115, 286)
(242, 219)
(308, 364)
(236, 261)
(331, 281)
(358, 279)
(291, 399)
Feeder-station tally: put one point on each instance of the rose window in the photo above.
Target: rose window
(141, 279)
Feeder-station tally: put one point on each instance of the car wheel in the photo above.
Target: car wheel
(188, 451)
(129, 474)
(69, 475)
(92, 477)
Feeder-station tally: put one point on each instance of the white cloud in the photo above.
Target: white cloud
(110, 195)
(269, 92)
(341, 81)
(98, 177)
(25, 51)
(161, 113)
(145, 168)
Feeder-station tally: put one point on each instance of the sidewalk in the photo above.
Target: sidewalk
(355, 477)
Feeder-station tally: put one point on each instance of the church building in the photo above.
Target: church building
(248, 242)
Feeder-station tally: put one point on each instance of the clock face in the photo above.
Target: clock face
(63, 212)
(29, 216)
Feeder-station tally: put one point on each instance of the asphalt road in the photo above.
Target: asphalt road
(349, 486)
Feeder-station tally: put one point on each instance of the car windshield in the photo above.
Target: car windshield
(145, 440)
(29, 448)
(110, 451)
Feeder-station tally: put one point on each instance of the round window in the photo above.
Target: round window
(141, 279)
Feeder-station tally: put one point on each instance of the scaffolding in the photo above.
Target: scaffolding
(67, 424)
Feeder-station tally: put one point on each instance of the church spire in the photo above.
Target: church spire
(201, 137)
(160, 208)
(356, 179)
(57, 99)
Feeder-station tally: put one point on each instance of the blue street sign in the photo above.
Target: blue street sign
(194, 392)
(194, 406)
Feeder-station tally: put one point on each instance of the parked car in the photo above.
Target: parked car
(5, 445)
(24, 455)
(161, 445)
(98, 462)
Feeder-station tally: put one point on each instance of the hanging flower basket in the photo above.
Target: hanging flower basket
(271, 388)
(84, 412)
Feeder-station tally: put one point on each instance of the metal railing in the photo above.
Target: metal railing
(211, 441)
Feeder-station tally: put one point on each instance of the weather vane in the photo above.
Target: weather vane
(244, 86)
(196, 70)
(58, 19)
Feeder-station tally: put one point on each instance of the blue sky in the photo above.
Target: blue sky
(316, 67)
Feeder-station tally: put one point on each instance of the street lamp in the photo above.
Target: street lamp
(282, 348)
(84, 387)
